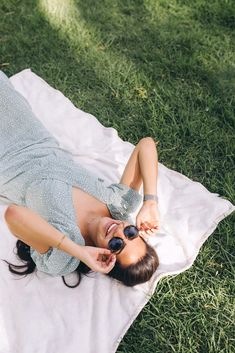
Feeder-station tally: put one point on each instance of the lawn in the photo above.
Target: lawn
(164, 69)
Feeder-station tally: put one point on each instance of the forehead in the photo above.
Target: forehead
(132, 252)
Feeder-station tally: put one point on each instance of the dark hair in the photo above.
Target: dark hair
(139, 272)
(131, 275)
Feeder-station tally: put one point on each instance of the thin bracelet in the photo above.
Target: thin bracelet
(58, 246)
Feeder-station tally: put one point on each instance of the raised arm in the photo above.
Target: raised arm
(36, 232)
(142, 167)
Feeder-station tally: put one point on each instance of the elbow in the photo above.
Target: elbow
(11, 214)
(148, 141)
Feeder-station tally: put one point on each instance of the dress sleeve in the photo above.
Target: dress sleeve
(52, 200)
(123, 201)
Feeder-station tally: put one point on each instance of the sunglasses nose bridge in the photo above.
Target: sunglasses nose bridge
(119, 232)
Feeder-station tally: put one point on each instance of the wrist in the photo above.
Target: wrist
(72, 248)
(150, 202)
(80, 252)
(150, 197)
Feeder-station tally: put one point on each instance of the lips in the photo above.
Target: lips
(108, 225)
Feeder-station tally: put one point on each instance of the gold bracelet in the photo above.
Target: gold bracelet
(60, 241)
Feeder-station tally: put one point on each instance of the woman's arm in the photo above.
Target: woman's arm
(33, 230)
(142, 166)
(36, 232)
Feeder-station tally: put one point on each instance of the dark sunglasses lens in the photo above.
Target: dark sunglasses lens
(115, 244)
(131, 232)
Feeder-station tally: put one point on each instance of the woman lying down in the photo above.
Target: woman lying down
(67, 219)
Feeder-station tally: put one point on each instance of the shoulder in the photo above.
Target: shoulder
(123, 201)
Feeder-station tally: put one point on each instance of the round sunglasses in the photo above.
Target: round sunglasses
(116, 244)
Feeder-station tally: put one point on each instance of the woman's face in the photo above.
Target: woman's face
(101, 233)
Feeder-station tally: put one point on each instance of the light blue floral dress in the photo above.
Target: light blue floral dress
(37, 173)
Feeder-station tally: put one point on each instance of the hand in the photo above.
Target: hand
(98, 259)
(148, 218)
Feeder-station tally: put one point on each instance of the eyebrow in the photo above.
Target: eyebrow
(126, 244)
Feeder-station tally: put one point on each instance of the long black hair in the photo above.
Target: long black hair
(131, 275)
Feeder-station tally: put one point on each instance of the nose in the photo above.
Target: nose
(119, 230)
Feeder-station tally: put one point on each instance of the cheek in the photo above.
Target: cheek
(101, 242)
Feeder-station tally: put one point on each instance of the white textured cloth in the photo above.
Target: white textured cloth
(39, 313)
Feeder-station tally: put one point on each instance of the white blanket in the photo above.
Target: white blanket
(39, 313)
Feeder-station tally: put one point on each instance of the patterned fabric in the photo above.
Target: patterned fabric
(36, 173)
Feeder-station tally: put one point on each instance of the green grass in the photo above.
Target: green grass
(164, 69)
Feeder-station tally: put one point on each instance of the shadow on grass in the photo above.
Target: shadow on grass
(167, 45)
(184, 59)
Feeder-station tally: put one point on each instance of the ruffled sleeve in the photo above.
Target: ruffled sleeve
(52, 200)
(123, 201)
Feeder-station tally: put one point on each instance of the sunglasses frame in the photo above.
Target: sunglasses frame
(124, 244)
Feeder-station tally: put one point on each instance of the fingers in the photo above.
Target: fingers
(150, 231)
(108, 265)
(111, 261)
(104, 251)
(106, 262)
(146, 226)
